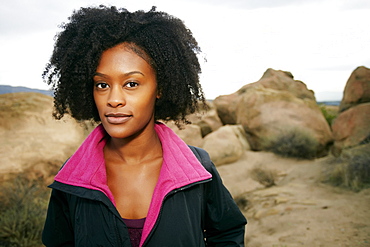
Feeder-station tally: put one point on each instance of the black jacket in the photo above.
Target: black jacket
(197, 214)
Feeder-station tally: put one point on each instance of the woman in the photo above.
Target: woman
(133, 182)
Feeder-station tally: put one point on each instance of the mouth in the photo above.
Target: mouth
(117, 118)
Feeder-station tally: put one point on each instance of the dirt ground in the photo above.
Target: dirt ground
(299, 210)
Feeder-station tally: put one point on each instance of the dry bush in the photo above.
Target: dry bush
(294, 143)
(352, 172)
(265, 176)
(23, 204)
(242, 202)
(330, 112)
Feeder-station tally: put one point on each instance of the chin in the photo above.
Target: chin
(126, 130)
(116, 131)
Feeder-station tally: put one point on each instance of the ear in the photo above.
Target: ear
(159, 94)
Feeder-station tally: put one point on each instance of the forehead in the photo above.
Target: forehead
(122, 59)
(138, 51)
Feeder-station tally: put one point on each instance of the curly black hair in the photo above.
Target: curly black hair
(170, 46)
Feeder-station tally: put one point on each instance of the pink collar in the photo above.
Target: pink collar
(86, 168)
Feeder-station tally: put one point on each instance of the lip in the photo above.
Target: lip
(117, 118)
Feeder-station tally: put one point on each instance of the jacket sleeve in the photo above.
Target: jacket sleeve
(223, 221)
(58, 231)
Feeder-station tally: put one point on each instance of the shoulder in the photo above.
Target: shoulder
(203, 157)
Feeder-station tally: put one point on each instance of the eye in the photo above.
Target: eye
(132, 84)
(101, 85)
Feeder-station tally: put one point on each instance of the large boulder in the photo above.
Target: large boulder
(275, 112)
(284, 81)
(269, 107)
(278, 80)
(31, 139)
(351, 128)
(226, 145)
(226, 107)
(357, 90)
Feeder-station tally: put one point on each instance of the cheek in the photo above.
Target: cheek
(146, 104)
(98, 103)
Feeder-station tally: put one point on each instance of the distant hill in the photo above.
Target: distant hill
(336, 103)
(10, 89)
(329, 96)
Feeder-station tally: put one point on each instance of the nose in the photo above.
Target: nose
(116, 98)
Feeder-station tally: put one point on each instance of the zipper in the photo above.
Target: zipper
(164, 199)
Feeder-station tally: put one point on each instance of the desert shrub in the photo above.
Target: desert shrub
(23, 204)
(294, 143)
(365, 141)
(242, 202)
(352, 172)
(264, 176)
(328, 113)
(358, 172)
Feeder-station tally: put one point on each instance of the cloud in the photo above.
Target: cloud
(355, 4)
(256, 4)
(21, 16)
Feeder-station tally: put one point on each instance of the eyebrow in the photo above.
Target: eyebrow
(125, 74)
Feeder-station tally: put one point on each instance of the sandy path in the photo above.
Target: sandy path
(299, 210)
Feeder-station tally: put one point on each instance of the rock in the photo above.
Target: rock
(266, 212)
(190, 133)
(351, 127)
(31, 139)
(273, 79)
(305, 202)
(205, 129)
(225, 145)
(242, 137)
(284, 81)
(226, 110)
(209, 122)
(269, 107)
(357, 90)
(273, 192)
(267, 113)
(206, 118)
(280, 200)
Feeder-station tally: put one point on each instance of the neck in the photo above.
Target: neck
(134, 150)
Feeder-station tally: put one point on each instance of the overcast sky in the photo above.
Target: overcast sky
(319, 41)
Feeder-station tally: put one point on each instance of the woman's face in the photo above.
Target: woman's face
(125, 91)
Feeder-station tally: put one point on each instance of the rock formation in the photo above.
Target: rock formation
(357, 89)
(226, 144)
(271, 106)
(31, 139)
(352, 127)
(209, 122)
(191, 134)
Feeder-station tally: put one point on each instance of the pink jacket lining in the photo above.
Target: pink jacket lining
(86, 168)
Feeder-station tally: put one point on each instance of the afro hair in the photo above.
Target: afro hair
(169, 48)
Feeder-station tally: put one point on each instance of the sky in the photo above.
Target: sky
(320, 42)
